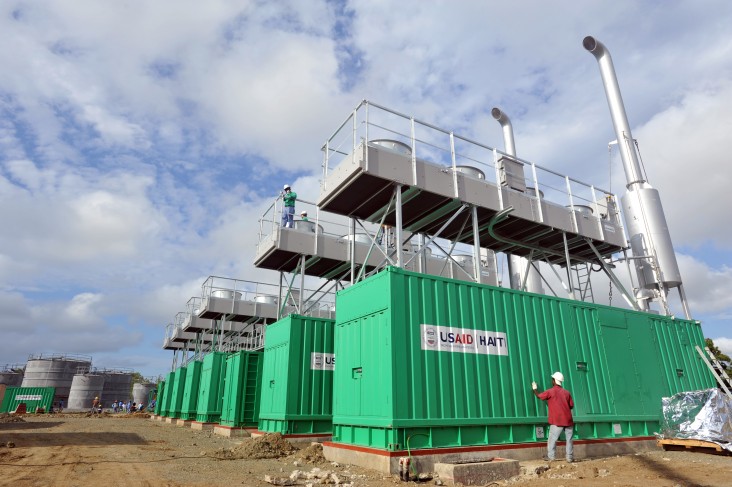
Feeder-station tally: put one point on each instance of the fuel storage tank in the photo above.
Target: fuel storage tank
(84, 388)
(117, 387)
(141, 392)
(54, 371)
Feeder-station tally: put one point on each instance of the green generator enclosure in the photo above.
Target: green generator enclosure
(297, 376)
(242, 389)
(432, 362)
(167, 399)
(189, 405)
(34, 398)
(211, 389)
(159, 398)
(176, 398)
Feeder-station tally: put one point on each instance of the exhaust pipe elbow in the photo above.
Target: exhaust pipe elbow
(596, 47)
(501, 117)
(505, 122)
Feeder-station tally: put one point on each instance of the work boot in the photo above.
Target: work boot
(547, 459)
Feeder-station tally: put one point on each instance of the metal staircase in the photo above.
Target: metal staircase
(717, 369)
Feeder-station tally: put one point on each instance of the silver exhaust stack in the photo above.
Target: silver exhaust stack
(517, 265)
(650, 239)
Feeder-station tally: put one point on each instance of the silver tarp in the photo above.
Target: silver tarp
(698, 415)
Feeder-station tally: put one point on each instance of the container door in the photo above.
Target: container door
(349, 371)
(588, 369)
(274, 387)
(621, 365)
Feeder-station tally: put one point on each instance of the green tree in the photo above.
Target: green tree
(716, 351)
(137, 378)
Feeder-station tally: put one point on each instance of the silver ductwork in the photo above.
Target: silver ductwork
(517, 265)
(650, 239)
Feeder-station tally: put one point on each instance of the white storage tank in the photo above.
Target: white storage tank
(117, 387)
(54, 371)
(84, 388)
(141, 393)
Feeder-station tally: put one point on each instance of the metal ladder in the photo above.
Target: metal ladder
(717, 370)
(584, 284)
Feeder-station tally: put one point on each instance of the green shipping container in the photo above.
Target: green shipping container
(211, 390)
(430, 362)
(190, 391)
(159, 398)
(242, 389)
(33, 397)
(176, 398)
(297, 376)
(168, 398)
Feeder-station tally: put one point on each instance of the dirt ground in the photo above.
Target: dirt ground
(75, 450)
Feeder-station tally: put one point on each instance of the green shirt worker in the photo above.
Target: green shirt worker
(288, 212)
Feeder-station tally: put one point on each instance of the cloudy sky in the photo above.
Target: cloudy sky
(140, 141)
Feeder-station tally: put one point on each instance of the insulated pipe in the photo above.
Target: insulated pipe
(631, 165)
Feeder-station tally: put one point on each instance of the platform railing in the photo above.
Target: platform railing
(244, 290)
(369, 122)
(318, 223)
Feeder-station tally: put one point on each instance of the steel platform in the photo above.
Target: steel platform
(327, 256)
(362, 185)
(236, 310)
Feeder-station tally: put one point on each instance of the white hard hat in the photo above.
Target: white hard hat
(287, 186)
(303, 212)
(558, 377)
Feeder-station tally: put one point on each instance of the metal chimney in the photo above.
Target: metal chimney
(517, 265)
(650, 240)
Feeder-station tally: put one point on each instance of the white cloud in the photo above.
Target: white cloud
(686, 155)
(140, 143)
(724, 344)
(709, 290)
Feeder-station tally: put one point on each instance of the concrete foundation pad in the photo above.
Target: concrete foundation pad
(477, 473)
(232, 432)
(320, 438)
(197, 425)
(171, 420)
(425, 460)
(153, 417)
(183, 422)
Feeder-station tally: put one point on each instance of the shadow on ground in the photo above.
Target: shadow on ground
(29, 426)
(102, 438)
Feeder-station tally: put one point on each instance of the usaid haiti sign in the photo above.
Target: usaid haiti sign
(322, 361)
(463, 340)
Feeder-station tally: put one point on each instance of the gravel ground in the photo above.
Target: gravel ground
(76, 450)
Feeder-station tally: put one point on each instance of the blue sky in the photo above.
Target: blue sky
(140, 142)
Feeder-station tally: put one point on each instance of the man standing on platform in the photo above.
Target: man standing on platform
(560, 405)
(288, 212)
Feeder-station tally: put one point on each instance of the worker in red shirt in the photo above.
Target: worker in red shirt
(560, 405)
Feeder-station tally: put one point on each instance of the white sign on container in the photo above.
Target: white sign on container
(463, 340)
(322, 361)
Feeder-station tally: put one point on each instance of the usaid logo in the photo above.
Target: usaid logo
(463, 340)
(322, 361)
(430, 336)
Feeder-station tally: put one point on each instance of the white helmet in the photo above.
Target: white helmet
(558, 377)
(287, 186)
(303, 213)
